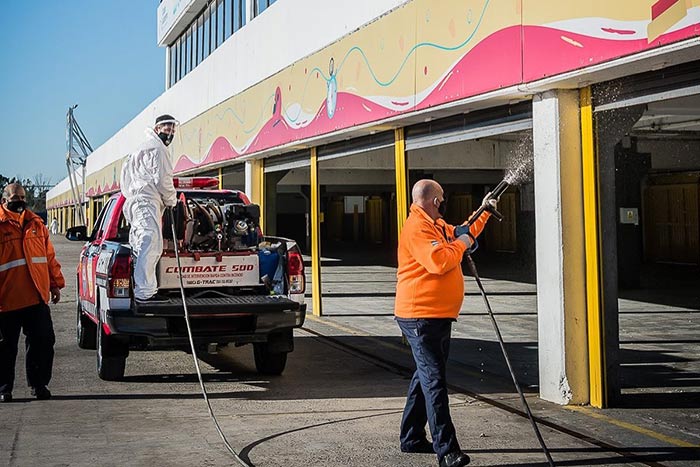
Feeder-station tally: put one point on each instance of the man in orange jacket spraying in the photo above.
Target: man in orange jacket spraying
(429, 294)
(30, 276)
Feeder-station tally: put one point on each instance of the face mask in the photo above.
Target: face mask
(166, 138)
(442, 207)
(16, 206)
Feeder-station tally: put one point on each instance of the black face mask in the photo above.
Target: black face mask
(16, 206)
(442, 207)
(166, 138)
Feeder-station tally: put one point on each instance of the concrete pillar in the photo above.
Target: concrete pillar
(560, 255)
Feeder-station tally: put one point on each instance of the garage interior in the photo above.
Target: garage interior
(649, 149)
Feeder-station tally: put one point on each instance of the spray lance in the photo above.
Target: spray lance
(490, 206)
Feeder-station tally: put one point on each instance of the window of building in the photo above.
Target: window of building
(220, 22)
(239, 14)
(181, 59)
(193, 50)
(188, 52)
(217, 21)
(212, 27)
(206, 42)
(262, 5)
(228, 18)
(171, 78)
(200, 39)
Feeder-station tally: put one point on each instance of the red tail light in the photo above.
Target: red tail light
(295, 271)
(120, 277)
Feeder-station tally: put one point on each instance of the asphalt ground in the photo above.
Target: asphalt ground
(338, 403)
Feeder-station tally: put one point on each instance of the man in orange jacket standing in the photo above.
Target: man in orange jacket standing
(429, 294)
(29, 277)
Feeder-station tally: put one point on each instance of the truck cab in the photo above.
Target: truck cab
(240, 286)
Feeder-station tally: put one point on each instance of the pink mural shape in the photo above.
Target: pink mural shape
(221, 150)
(547, 51)
(493, 63)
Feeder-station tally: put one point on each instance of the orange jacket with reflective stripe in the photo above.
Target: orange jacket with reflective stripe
(430, 282)
(28, 265)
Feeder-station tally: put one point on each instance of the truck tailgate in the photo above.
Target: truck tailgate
(219, 306)
(209, 271)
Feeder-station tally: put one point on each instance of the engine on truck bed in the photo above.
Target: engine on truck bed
(213, 224)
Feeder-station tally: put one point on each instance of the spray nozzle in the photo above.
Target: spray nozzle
(489, 203)
(498, 191)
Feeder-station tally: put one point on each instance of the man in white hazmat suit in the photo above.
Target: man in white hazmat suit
(147, 185)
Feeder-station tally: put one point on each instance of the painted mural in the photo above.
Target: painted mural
(429, 53)
(423, 54)
(564, 36)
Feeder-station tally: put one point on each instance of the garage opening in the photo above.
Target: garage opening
(648, 132)
(469, 154)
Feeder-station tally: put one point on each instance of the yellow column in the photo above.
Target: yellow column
(257, 188)
(401, 175)
(90, 214)
(315, 240)
(221, 179)
(596, 334)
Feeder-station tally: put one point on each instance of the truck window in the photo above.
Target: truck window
(102, 221)
(122, 229)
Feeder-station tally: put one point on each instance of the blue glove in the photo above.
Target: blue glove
(461, 230)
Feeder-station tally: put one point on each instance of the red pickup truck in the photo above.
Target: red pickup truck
(240, 286)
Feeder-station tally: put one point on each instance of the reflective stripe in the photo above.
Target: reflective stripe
(38, 259)
(13, 264)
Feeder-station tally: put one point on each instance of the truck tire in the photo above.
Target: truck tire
(268, 362)
(111, 356)
(86, 331)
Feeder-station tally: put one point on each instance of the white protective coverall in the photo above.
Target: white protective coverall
(147, 185)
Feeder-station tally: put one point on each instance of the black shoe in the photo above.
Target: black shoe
(6, 397)
(421, 447)
(41, 393)
(455, 459)
(157, 298)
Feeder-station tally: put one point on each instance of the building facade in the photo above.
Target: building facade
(325, 113)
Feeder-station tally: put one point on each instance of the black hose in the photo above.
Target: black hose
(472, 269)
(194, 353)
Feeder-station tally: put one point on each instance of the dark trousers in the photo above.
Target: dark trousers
(427, 400)
(36, 323)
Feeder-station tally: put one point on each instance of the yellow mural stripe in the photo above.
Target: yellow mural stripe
(631, 426)
(596, 335)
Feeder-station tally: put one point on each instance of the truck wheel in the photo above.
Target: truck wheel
(85, 332)
(268, 362)
(111, 356)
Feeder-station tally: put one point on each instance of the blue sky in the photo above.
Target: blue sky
(101, 55)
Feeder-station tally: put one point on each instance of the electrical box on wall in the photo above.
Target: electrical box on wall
(629, 216)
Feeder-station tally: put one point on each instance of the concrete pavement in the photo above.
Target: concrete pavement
(338, 403)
